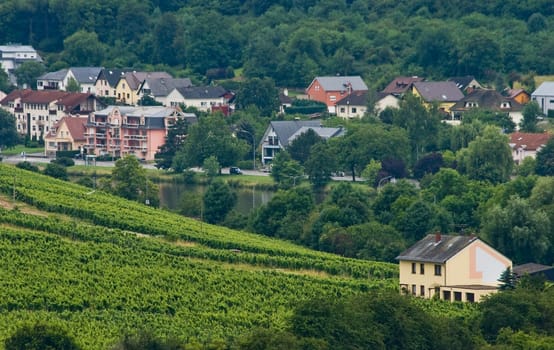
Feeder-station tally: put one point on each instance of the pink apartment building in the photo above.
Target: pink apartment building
(128, 130)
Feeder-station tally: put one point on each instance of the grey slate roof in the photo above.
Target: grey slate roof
(429, 250)
(112, 76)
(58, 75)
(487, 99)
(285, 129)
(199, 92)
(163, 86)
(135, 79)
(321, 131)
(354, 99)
(545, 89)
(340, 83)
(86, 75)
(462, 82)
(439, 91)
(153, 115)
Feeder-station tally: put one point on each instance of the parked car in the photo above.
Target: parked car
(235, 170)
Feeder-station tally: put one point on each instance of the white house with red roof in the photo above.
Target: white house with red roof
(68, 134)
(525, 145)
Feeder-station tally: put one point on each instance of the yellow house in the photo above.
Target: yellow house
(443, 93)
(453, 268)
(68, 134)
(128, 86)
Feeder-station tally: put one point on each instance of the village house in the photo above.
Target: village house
(130, 130)
(85, 77)
(279, 134)
(466, 83)
(36, 112)
(544, 96)
(400, 85)
(355, 105)
(106, 82)
(525, 145)
(444, 94)
(452, 268)
(68, 134)
(330, 90)
(160, 88)
(203, 98)
(12, 56)
(127, 87)
(489, 100)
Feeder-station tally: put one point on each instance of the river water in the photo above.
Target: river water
(247, 198)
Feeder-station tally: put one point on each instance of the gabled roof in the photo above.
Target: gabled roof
(43, 96)
(285, 129)
(341, 83)
(487, 99)
(153, 115)
(15, 94)
(112, 76)
(58, 75)
(529, 141)
(67, 99)
(200, 92)
(436, 248)
(545, 89)
(135, 79)
(163, 86)
(438, 91)
(463, 82)
(76, 126)
(85, 75)
(323, 132)
(354, 99)
(17, 48)
(401, 84)
(511, 93)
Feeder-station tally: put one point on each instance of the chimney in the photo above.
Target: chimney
(437, 237)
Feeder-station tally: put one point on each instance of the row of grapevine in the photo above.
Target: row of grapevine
(98, 208)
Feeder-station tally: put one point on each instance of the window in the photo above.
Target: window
(414, 289)
(457, 296)
(413, 267)
(316, 88)
(438, 270)
(446, 295)
(422, 269)
(354, 110)
(342, 109)
(332, 98)
(470, 297)
(422, 291)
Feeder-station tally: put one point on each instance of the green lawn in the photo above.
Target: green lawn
(21, 148)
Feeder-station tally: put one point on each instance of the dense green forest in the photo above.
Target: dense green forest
(291, 41)
(78, 273)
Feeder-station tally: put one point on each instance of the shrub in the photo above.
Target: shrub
(25, 165)
(64, 161)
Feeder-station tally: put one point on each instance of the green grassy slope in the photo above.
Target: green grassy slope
(102, 266)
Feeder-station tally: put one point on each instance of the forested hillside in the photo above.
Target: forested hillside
(291, 41)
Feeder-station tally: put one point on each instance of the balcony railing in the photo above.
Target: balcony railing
(100, 135)
(134, 137)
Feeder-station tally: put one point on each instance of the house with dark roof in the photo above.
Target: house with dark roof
(58, 80)
(442, 93)
(400, 85)
(279, 134)
(355, 105)
(68, 134)
(330, 90)
(544, 96)
(525, 145)
(130, 130)
(160, 88)
(107, 80)
(36, 112)
(489, 100)
(466, 83)
(534, 270)
(284, 101)
(127, 88)
(203, 98)
(451, 267)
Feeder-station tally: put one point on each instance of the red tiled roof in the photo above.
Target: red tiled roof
(73, 99)
(75, 125)
(14, 95)
(43, 96)
(531, 141)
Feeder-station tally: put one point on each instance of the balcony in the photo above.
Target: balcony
(18, 110)
(135, 137)
(52, 112)
(100, 135)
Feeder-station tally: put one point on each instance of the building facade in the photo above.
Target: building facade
(12, 56)
(119, 131)
(452, 268)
